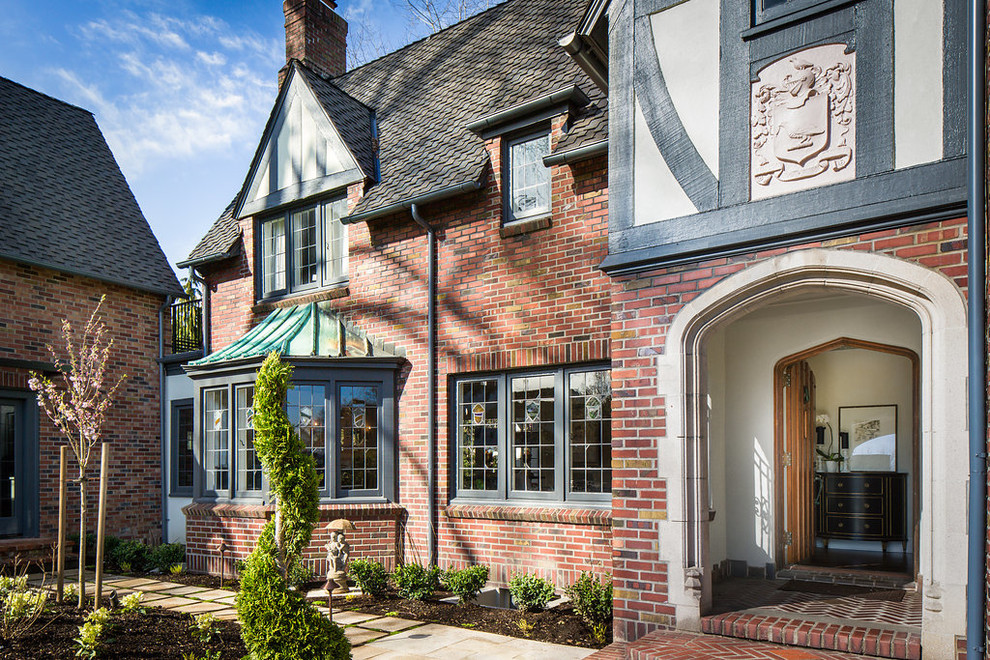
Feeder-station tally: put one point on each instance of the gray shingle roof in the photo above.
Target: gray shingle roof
(64, 204)
(349, 116)
(219, 243)
(425, 94)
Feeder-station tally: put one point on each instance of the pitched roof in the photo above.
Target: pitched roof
(424, 95)
(62, 196)
(219, 243)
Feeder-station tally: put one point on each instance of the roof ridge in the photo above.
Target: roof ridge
(49, 97)
(330, 81)
(498, 5)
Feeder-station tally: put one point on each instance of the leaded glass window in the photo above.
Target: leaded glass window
(589, 404)
(532, 435)
(477, 419)
(359, 439)
(248, 463)
(304, 243)
(306, 409)
(216, 426)
(529, 178)
(273, 255)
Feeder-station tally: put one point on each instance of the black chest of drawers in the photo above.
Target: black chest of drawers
(861, 506)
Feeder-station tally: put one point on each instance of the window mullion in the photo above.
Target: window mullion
(560, 426)
(503, 438)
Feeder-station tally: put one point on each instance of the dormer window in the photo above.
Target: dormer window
(528, 178)
(303, 249)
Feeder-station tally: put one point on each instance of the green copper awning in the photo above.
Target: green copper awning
(311, 330)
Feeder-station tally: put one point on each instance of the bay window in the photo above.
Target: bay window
(542, 435)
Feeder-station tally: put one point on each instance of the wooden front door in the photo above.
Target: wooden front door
(795, 465)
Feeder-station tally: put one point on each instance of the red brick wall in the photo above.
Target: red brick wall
(316, 35)
(35, 300)
(529, 299)
(643, 307)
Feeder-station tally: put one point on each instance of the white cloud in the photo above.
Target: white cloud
(163, 91)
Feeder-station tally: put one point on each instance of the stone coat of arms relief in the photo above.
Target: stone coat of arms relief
(803, 125)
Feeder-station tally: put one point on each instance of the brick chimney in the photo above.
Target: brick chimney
(315, 35)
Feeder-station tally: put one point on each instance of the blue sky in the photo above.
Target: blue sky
(180, 88)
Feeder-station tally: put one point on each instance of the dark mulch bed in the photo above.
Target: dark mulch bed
(155, 635)
(558, 625)
(191, 579)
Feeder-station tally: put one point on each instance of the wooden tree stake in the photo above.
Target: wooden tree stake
(60, 566)
(102, 519)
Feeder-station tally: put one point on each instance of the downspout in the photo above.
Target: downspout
(976, 248)
(204, 325)
(161, 414)
(431, 386)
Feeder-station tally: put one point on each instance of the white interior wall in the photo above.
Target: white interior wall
(715, 360)
(752, 346)
(850, 378)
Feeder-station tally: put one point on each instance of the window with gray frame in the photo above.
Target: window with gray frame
(302, 249)
(542, 435)
(528, 179)
(767, 10)
(345, 419)
(183, 462)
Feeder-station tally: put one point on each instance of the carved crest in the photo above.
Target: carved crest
(803, 122)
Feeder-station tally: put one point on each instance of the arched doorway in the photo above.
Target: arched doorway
(687, 385)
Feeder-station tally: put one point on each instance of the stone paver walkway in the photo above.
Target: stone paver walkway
(371, 636)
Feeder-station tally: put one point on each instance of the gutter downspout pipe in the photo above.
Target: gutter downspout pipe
(161, 414)
(431, 386)
(976, 246)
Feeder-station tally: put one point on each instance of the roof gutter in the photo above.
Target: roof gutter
(574, 155)
(976, 327)
(419, 200)
(209, 258)
(585, 57)
(571, 94)
(431, 385)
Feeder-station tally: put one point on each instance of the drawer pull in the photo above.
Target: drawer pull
(866, 484)
(866, 506)
(842, 524)
(866, 526)
(841, 505)
(839, 485)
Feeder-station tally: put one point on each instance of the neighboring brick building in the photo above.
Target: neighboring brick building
(486, 141)
(62, 196)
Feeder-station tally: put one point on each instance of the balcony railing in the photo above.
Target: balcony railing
(187, 326)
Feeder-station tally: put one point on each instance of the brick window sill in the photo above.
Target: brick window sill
(574, 516)
(525, 226)
(291, 300)
(266, 511)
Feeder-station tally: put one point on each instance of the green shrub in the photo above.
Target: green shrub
(370, 576)
(415, 582)
(592, 600)
(277, 623)
(300, 574)
(466, 583)
(530, 593)
(204, 627)
(131, 554)
(165, 556)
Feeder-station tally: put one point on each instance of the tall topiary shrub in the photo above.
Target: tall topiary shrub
(277, 622)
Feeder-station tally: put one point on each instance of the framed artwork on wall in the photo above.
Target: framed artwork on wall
(872, 433)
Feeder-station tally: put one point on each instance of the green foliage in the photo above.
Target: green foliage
(592, 601)
(530, 593)
(466, 583)
(100, 616)
(370, 576)
(20, 605)
(176, 569)
(204, 627)
(165, 556)
(207, 655)
(300, 575)
(132, 555)
(525, 626)
(415, 582)
(88, 641)
(278, 623)
(110, 543)
(132, 602)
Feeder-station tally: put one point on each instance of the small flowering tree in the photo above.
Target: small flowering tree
(78, 404)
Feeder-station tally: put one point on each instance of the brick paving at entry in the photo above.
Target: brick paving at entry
(670, 645)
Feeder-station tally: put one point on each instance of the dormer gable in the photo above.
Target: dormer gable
(302, 153)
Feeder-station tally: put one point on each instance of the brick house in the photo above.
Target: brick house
(420, 237)
(62, 196)
(788, 254)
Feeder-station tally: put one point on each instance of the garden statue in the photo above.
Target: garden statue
(338, 555)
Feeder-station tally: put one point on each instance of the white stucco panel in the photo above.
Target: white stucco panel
(687, 43)
(657, 195)
(917, 82)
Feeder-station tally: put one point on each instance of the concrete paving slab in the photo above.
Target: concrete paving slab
(358, 636)
(149, 597)
(389, 624)
(135, 583)
(226, 616)
(367, 652)
(350, 618)
(429, 639)
(185, 590)
(227, 600)
(173, 602)
(215, 594)
(199, 607)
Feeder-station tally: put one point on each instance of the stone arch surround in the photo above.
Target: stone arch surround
(940, 306)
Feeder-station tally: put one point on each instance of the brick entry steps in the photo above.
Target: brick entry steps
(827, 635)
(672, 645)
